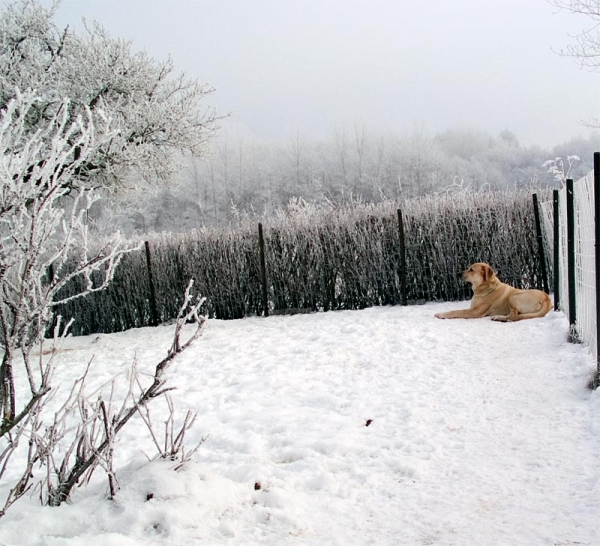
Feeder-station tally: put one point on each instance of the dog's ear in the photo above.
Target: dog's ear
(487, 272)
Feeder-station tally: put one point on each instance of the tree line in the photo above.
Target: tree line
(243, 176)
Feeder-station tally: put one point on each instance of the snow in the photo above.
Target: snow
(480, 433)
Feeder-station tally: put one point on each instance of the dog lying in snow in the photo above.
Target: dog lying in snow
(492, 298)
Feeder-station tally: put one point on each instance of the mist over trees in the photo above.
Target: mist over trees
(246, 176)
(164, 125)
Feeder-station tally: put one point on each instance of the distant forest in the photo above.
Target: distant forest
(243, 176)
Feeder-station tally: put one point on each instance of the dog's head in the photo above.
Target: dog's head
(479, 274)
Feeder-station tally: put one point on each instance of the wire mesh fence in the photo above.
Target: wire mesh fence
(547, 209)
(547, 218)
(584, 250)
(585, 270)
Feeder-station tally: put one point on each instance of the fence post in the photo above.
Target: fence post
(556, 215)
(263, 269)
(571, 260)
(153, 308)
(540, 242)
(403, 296)
(597, 256)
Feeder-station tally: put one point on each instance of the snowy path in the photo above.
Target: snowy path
(482, 434)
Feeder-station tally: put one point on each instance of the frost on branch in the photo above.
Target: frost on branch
(557, 168)
(586, 45)
(44, 244)
(100, 420)
(584, 48)
(158, 113)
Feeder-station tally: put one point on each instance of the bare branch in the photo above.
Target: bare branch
(586, 47)
(89, 458)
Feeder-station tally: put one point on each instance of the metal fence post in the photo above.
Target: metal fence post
(153, 308)
(263, 269)
(571, 260)
(402, 272)
(540, 242)
(597, 258)
(556, 266)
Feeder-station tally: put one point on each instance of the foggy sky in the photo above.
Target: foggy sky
(308, 66)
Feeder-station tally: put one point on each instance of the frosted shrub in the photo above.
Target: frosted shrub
(325, 258)
(45, 246)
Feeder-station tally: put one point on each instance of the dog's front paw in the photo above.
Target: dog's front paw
(440, 315)
(500, 318)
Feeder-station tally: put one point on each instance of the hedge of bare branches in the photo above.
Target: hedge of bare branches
(320, 258)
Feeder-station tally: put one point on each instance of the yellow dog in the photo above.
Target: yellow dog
(492, 298)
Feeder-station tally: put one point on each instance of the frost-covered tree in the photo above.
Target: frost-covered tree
(157, 112)
(44, 244)
(586, 46)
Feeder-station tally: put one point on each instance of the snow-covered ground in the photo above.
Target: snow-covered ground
(480, 433)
